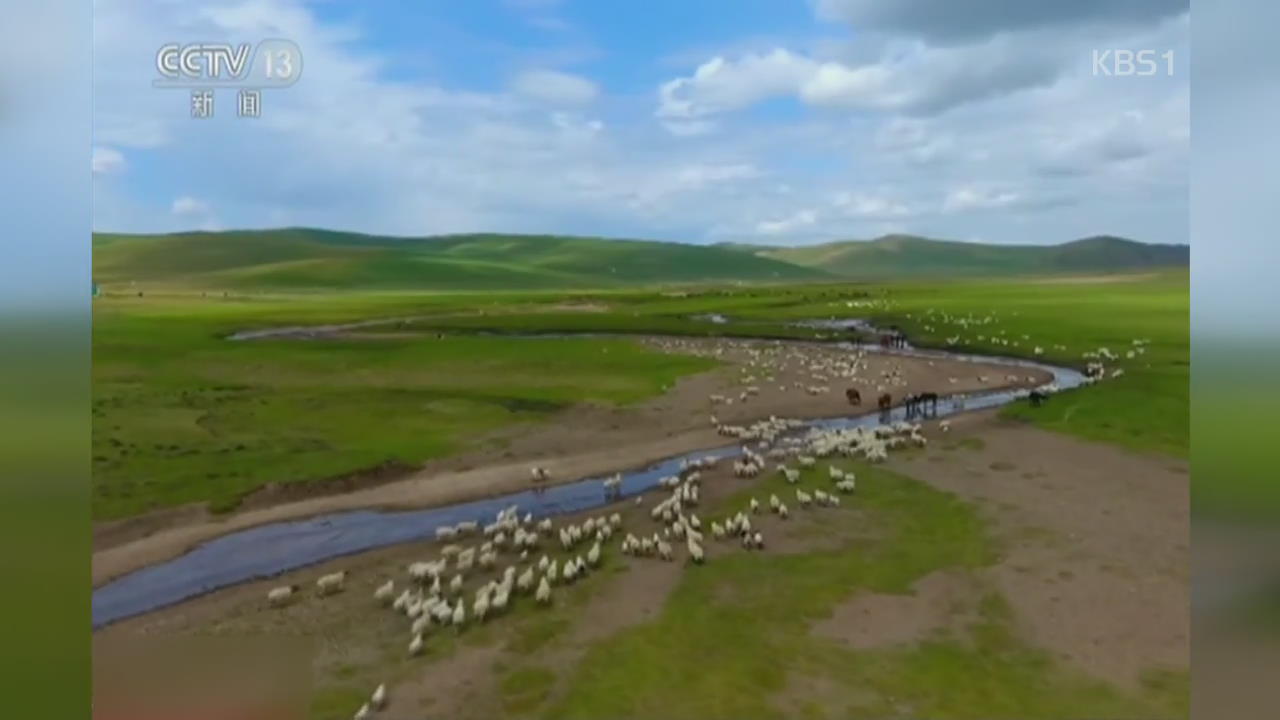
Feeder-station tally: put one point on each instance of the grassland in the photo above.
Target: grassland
(302, 259)
(183, 415)
(906, 256)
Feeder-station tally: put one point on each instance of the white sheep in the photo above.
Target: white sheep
(415, 645)
(384, 592)
(331, 583)
(593, 555)
(695, 552)
(459, 614)
(379, 698)
(543, 594)
(281, 595)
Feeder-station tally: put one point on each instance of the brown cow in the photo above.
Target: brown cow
(886, 401)
(853, 396)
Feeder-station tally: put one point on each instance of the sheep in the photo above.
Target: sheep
(525, 582)
(615, 520)
(551, 572)
(543, 594)
(782, 511)
(331, 583)
(593, 555)
(415, 645)
(480, 607)
(664, 550)
(755, 506)
(695, 552)
(570, 571)
(384, 591)
(379, 698)
(774, 502)
(455, 585)
(803, 498)
(277, 597)
(459, 614)
(362, 713)
(945, 426)
(446, 533)
(421, 624)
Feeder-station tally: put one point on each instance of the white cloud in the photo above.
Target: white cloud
(801, 219)
(107, 160)
(912, 78)
(554, 87)
(913, 140)
(186, 205)
(870, 206)
(973, 197)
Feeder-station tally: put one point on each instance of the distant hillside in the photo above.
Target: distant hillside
(907, 255)
(299, 258)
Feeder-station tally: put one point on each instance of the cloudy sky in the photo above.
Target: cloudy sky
(748, 120)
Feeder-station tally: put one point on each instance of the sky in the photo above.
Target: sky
(759, 121)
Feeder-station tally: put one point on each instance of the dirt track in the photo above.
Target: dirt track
(621, 438)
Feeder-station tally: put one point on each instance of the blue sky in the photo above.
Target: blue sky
(745, 120)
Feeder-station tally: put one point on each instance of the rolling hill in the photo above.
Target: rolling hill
(907, 255)
(301, 258)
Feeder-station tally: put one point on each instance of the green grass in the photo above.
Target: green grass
(296, 259)
(901, 256)
(181, 415)
(717, 649)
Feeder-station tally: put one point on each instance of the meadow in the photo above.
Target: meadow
(183, 415)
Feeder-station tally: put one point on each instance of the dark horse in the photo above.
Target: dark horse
(853, 396)
(925, 403)
(885, 402)
(1037, 397)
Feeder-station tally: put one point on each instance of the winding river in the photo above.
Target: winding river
(268, 550)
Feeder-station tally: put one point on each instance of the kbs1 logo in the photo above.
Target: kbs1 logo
(203, 66)
(1131, 63)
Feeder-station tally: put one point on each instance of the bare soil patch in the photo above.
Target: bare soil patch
(940, 601)
(1094, 542)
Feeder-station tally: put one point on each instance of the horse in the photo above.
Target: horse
(885, 402)
(929, 399)
(853, 396)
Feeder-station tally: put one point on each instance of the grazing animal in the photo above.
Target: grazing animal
(853, 396)
(281, 595)
(331, 583)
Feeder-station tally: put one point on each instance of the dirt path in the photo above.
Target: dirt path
(1094, 541)
(619, 439)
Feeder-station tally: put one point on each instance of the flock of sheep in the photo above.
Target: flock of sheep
(435, 593)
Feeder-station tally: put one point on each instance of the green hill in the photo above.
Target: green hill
(301, 258)
(907, 255)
